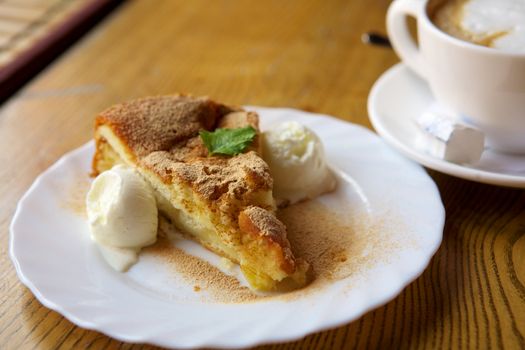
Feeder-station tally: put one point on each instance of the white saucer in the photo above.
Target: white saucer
(399, 96)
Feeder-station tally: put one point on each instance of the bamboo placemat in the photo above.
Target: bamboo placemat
(34, 32)
(24, 22)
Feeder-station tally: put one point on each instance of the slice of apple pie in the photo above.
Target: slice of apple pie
(223, 202)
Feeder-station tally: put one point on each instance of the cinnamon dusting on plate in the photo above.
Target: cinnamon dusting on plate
(339, 242)
(193, 270)
(76, 201)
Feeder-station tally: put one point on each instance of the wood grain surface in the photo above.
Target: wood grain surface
(301, 54)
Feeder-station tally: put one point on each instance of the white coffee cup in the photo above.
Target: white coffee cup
(484, 86)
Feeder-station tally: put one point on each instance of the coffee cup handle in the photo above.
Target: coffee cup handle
(402, 42)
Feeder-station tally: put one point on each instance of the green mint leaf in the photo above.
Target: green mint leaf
(228, 141)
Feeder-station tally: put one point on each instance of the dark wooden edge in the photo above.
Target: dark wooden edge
(34, 59)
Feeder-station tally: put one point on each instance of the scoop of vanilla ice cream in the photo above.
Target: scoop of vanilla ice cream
(297, 162)
(122, 214)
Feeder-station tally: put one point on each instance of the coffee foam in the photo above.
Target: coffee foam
(494, 23)
(504, 20)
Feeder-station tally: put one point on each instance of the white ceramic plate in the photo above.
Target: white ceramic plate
(397, 98)
(55, 259)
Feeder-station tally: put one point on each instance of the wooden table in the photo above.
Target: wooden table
(302, 54)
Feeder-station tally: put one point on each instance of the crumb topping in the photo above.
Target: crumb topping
(163, 133)
(214, 177)
(266, 223)
(161, 123)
